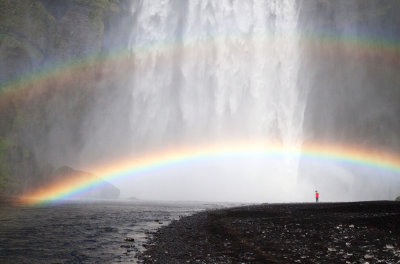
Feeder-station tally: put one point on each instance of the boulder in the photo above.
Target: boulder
(102, 190)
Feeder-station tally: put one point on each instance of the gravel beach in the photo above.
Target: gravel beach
(357, 232)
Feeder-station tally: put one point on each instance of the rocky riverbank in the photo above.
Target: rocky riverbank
(358, 232)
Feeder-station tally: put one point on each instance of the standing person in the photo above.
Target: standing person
(316, 196)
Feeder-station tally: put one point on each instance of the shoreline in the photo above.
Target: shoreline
(282, 233)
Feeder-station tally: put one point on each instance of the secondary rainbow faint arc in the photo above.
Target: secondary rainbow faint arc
(181, 155)
(387, 48)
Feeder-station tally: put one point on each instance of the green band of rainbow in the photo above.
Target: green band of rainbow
(387, 49)
(140, 165)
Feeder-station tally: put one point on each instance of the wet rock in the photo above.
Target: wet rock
(127, 246)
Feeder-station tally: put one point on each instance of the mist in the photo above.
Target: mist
(217, 72)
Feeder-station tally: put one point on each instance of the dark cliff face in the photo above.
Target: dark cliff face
(25, 28)
(352, 68)
(36, 35)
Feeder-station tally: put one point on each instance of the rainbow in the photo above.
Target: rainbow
(145, 163)
(377, 50)
(382, 51)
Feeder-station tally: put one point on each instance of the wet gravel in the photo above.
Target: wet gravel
(358, 232)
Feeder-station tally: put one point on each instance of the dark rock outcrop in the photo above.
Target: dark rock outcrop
(353, 77)
(102, 190)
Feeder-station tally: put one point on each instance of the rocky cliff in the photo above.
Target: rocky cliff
(351, 65)
(36, 33)
(35, 36)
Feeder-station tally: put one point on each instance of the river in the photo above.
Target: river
(84, 232)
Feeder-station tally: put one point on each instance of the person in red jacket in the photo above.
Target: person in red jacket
(316, 196)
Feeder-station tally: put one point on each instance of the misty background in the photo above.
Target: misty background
(155, 75)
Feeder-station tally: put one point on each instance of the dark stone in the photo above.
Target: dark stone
(103, 190)
(129, 239)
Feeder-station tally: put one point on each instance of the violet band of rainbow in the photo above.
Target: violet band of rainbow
(143, 164)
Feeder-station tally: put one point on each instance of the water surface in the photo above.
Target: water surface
(83, 232)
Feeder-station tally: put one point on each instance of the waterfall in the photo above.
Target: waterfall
(210, 70)
(216, 69)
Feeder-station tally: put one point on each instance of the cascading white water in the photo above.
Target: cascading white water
(210, 70)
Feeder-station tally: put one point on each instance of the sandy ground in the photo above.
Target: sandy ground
(359, 232)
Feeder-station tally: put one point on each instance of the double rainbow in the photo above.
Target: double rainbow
(384, 51)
